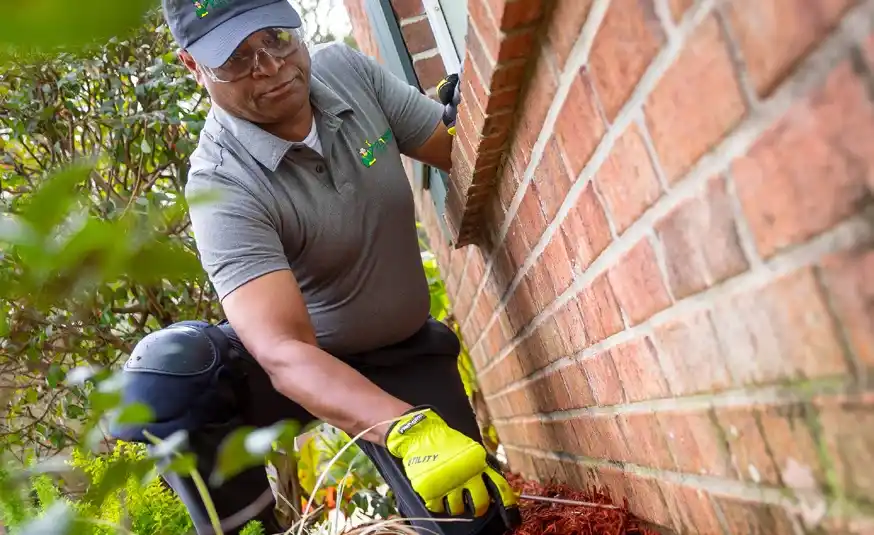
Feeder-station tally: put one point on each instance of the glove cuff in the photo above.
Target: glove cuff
(406, 423)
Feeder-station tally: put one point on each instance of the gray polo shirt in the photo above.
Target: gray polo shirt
(343, 223)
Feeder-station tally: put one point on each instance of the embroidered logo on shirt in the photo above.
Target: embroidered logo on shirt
(202, 7)
(369, 151)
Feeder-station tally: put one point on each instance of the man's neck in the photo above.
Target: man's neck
(296, 128)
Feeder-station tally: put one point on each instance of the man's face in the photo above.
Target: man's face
(264, 90)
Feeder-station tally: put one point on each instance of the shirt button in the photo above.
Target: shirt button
(320, 168)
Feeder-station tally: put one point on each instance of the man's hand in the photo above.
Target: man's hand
(449, 93)
(446, 468)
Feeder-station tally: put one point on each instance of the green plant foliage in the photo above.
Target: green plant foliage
(96, 249)
(122, 490)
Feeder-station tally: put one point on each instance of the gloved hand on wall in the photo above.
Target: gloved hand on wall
(449, 93)
(448, 469)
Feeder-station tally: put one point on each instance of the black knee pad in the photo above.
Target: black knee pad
(187, 374)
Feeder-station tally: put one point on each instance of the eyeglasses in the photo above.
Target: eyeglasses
(278, 43)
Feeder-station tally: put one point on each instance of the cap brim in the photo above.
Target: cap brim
(214, 48)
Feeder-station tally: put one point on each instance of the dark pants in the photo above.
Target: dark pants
(421, 370)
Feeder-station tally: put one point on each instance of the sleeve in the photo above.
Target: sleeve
(235, 235)
(413, 117)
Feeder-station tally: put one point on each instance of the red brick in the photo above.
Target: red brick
(565, 436)
(494, 341)
(544, 340)
(571, 329)
(638, 367)
(507, 186)
(464, 299)
(586, 229)
(551, 180)
(627, 180)
(645, 499)
(747, 446)
(407, 8)
(813, 168)
(695, 443)
(754, 518)
(531, 218)
(649, 446)
(521, 462)
(577, 385)
(484, 62)
(565, 26)
(520, 307)
(600, 437)
(600, 311)
(517, 44)
(456, 263)
(505, 76)
(429, 71)
(779, 332)
(690, 356)
(550, 392)
(520, 13)
(549, 470)
(579, 126)
(851, 287)
(418, 36)
(792, 445)
(637, 283)
(611, 480)
(532, 112)
(774, 35)
(540, 286)
(604, 379)
(701, 242)
(848, 429)
(486, 28)
(691, 509)
(558, 264)
(696, 102)
(517, 251)
(627, 41)
(504, 100)
(679, 7)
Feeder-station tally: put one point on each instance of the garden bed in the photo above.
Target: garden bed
(562, 510)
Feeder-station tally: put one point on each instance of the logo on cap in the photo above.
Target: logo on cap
(202, 7)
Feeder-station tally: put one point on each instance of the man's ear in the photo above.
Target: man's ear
(188, 60)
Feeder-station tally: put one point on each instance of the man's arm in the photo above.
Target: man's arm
(271, 319)
(242, 253)
(436, 151)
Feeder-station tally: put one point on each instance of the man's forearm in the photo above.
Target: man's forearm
(331, 390)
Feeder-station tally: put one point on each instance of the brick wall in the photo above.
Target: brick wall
(673, 294)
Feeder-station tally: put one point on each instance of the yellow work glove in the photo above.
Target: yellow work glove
(446, 468)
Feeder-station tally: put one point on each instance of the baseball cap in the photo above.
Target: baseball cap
(212, 29)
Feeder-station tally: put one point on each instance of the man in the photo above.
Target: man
(312, 249)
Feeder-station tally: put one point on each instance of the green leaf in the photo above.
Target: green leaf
(116, 476)
(57, 520)
(145, 147)
(51, 23)
(104, 401)
(135, 413)
(183, 465)
(50, 204)
(247, 446)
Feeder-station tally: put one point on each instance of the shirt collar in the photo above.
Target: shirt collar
(267, 148)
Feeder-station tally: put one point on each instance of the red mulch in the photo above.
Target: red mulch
(540, 518)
